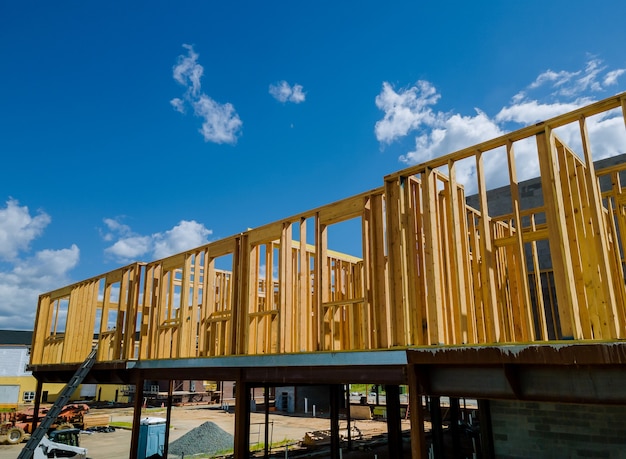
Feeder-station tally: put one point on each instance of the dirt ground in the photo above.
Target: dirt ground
(283, 428)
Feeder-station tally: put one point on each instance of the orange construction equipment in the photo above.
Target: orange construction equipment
(71, 415)
(15, 426)
(11, 431)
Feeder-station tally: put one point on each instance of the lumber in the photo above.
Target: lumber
(438, 265)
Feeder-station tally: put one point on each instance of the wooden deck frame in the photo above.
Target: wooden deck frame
(434, 270)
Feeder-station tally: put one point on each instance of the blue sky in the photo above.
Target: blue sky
(134, 130)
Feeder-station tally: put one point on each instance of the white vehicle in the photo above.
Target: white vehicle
(61, 444)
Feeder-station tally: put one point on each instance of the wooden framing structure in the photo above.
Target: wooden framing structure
(437, 286)
(434, 270)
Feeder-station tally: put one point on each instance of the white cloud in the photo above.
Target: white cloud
(552, 93)
(130, 246)
(178, 104)
(114, 229)
(188, 72)
(573, 87)
(45, 266)
(284, 92)
(451, 134)
(22, 280)
(221, 123)
(186, 235)
(531, 111)
(116, 226)
(611, 77)
(20, 287)
(405, 110)
(557, 79)
(18, 228)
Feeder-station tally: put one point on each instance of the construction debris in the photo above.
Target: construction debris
(323, 437)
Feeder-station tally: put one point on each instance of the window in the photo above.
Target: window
(29, 396)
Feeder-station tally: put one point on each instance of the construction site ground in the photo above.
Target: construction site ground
(286, 430)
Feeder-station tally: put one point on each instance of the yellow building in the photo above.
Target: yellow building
(18, 386)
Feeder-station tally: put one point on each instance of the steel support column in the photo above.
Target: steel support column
(436, 421)
(486, 433)
(347, 394)
(134, 439)
(266, 406)
(168, 416)
(394, 426)
(335, 395)
(416, 415)
(242, 420)
(455, 431)
(38, 393)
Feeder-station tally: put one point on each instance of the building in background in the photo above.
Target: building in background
(18, 385)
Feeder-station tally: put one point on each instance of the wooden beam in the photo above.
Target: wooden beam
(303, 305)
(267, 233)
(555, 215)
(487, 267)
(477, 290)
(576, 214)
(434, 281)
(43, 319)
(239, 303)
(286, 290)
(252, 303)
(411, 245)
(376, 272)
(599, 236)
(623, 104)
(458, 262)
(128, 349)
(396, 265)
(524, 309)
(345, 209)
(320, 283)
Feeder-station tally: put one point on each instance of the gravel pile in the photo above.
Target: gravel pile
(207, 438)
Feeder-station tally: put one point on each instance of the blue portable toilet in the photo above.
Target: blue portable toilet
(151, 438)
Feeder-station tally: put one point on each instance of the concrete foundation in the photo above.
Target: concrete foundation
(550, 430)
